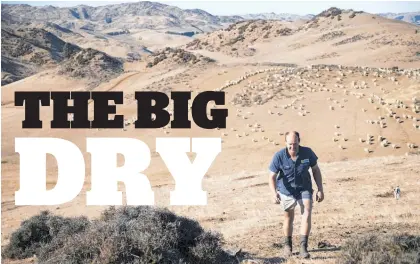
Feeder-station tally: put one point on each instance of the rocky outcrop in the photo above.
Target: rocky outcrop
(333, 11)
(93, 65)
(26, 51)
(170, 56)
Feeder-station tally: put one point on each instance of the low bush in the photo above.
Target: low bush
(381, 249)
(140, 234)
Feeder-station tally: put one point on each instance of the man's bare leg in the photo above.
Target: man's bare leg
(289, 216)
(305, 228)
(306, 213)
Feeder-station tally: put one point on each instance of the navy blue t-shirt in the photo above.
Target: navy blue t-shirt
(296, 173)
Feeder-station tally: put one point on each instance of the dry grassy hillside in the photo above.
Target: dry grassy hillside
(340, 112)
(238, 38)
(331, 37)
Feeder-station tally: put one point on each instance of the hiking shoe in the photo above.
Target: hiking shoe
(287, 251)
(303, 253)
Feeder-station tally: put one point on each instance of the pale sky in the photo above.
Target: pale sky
(245, 7)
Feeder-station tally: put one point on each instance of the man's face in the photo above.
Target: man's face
(292, 143)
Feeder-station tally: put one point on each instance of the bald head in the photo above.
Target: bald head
(292, 142)
(292, 135)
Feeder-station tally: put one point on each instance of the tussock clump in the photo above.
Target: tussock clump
(348, 179)
(353, 39)
(39, 231)
(374, 249)
(134, 235)
(330, 36)
(385, 194)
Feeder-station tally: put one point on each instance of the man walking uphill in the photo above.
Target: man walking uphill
(294, 186)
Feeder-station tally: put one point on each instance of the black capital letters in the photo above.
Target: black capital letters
(181, 109)
(102, 109)
(32, 100)
(145, 109)
(62, 109)
(199, 108)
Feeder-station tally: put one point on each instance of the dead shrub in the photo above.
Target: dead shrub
(348, 179)
(384, 249)
(139, 234)
(41, 230)
(386, 194)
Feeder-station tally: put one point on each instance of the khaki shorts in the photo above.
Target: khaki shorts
(290, 202)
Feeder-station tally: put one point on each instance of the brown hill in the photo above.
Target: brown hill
(238, 38)
(93, 65)
(332, 35)
(26, 51)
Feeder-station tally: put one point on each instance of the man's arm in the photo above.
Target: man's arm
(274, 168)
(272, 181)
(317, 177)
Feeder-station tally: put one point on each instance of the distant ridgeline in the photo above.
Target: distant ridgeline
(188, 33)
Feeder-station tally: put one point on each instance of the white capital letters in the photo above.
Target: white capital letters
(188, 177)
(105, 173)
(71, 171)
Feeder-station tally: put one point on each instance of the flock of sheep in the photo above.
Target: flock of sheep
(309, 85)
(279, 76)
